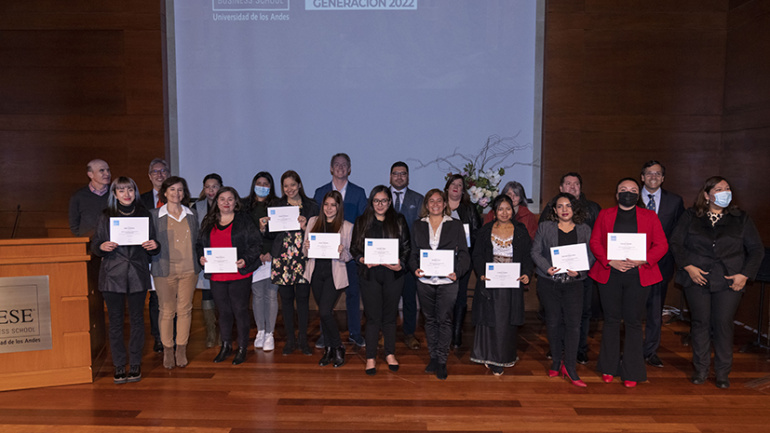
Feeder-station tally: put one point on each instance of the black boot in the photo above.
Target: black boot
(240, 355)
(339, 356)
(224, 352)
(327, 358)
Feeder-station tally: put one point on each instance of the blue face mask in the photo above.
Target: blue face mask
(723, 199)
(261, 191)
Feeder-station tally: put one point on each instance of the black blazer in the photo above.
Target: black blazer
(452, 238)
(732, 246)
(148, 200)
(483, 312)
(469, 215)
(404, 247)
(245, 237)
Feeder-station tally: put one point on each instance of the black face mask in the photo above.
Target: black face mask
(627, 199)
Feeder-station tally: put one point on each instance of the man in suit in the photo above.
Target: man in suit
(407, 203)
(354, 202)
(669, 207)
(158, 173)
(87, 203)
(572, 183)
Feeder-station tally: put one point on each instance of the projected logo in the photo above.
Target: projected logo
(249, 5)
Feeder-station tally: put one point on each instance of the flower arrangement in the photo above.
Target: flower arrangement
(482, 184)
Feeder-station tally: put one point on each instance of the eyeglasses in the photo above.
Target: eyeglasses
(157, 172)
(383, 201)
(399, 173)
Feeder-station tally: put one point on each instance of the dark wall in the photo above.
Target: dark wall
(79, 80)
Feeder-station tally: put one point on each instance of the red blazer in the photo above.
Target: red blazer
(657, 245)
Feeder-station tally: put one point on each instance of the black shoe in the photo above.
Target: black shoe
(134, 373)
(497, 370)
(289, 348)
(157, 347)
(339, 356)
(224, 352)
(582, 358)
(549, 356)
(305, 349)
(723, 383)
(326, 359)
(698, 379)
(120, 375)
(654, 361)
(432, 366)
(240, 356)
(441, 372)
(371, 371)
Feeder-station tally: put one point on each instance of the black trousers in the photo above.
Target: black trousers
(563, 303)
(585, 318)
(380, 294)
(300, 292)
(409, 303)
(712, 315)
(232, 302)
(623, 299)
(326, 296)
(116, 309)
(154, 307)
(654, 322)
(437, 305)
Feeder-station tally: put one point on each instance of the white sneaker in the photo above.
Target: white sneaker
(260, 340)
(269, 343)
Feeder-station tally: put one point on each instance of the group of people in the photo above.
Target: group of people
(713, 248)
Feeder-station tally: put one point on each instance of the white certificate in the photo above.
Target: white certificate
(324, 246)
(130, 231)
(262, 272)
(502, 275)
(437, 263)
(284, 218)
(570, 257)
(621, 246)
(220, 260)
(467, 228)
(381, 251)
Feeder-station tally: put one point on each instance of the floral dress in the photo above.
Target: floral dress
(288, 268)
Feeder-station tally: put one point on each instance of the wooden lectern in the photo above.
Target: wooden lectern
(66, 263)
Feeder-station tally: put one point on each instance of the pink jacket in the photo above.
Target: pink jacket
(339, 271)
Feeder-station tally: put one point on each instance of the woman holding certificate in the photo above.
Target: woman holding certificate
(123, 274)
(498, 302)
(264, 294)
(327, 244)
(717, 249)
(439, 255)
(561, 288)
(175, 269)
(288, 267)
(627, 242)
(461, 208)
(230, 241)
(381, 277)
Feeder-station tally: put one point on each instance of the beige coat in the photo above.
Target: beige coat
(339, 270)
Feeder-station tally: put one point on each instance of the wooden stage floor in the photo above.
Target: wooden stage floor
(275, 393)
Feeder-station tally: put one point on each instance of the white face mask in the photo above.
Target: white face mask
(723, 198)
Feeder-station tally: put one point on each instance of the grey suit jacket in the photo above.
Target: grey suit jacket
(548, 236)
(410, 206)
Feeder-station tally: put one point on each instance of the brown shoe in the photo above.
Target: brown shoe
(168, 357)
(411, 342)
(181, 355)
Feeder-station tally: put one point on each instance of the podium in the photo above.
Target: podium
(66, 263)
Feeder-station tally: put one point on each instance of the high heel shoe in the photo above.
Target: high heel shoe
(607, 378)
(577, 382)
(553, 373)
(371, 371)
(629, 383)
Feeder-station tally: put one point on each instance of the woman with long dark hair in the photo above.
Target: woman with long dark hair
(561, 290)
(212, 182)
(498, 312)
(460, 207)
(436, 230)
(264, 294)
(175, 270)
(381, 285)
(624, 284)
(329, 277)
(288, 267)
(225, 226)
(717, 248)
(124, 277)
